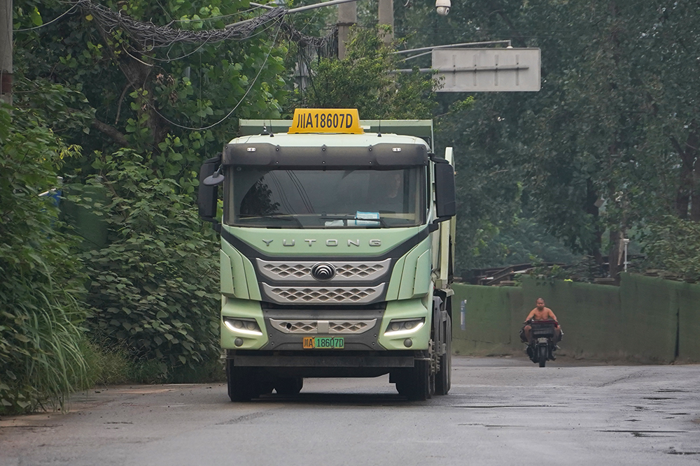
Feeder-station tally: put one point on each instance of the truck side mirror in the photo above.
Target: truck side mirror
(208, 193)
(445, 199)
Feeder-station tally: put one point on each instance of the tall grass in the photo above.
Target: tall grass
(42, 282)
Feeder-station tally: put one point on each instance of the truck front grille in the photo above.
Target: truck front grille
(345, 327)
(323, 295)
(344, 271)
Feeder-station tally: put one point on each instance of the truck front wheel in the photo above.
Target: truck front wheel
(289, 385)
(415, 383)
(241, 382)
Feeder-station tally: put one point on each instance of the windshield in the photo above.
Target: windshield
(325, 198)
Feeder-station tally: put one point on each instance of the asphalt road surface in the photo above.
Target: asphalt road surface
(499, 412)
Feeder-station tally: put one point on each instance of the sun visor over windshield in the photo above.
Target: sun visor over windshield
(378, 156)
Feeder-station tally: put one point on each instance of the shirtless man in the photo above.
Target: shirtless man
(540, 312)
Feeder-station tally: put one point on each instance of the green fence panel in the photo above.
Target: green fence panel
(649, 327)
(645, 319)
(86, 224)
(689, 323)
(587, 313)
(487, 319)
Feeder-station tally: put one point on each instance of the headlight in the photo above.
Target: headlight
(404, 326)
(244, 326)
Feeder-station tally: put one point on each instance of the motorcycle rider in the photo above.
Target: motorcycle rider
(540, 312)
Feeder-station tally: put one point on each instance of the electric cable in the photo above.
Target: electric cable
(272, 46)
(50, 22)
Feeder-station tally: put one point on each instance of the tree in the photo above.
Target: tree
(363, 80)
(165, 100)
(133, 105)
(609, 142)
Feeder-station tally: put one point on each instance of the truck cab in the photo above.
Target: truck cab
(336, 253)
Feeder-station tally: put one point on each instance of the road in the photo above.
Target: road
(499, 412)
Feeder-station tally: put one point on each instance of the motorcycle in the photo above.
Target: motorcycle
(542, 346)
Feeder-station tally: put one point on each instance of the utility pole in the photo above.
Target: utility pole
(6, 50)
(386, 16)
(347, 17)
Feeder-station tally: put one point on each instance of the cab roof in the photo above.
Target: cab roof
(422, 129)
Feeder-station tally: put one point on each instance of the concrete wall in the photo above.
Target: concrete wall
(644, 319)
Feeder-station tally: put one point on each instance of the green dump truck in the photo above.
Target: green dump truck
(336, 253)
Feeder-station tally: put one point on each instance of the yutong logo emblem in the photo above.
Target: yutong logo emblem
(323, 271)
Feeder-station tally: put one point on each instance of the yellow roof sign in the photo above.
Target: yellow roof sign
(326, 120)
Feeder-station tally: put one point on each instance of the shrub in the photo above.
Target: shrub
(42, 285)
(673, 245)
(152, 287)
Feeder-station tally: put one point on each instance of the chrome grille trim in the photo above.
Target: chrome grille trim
(323, 294)
(336, 326)
(300, 271)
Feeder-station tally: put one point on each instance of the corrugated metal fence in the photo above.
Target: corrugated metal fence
(645, 319)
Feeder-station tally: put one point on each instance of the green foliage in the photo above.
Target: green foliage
(522, 242)
(152, 288)
(42, 285)
(489, 186)
(674, 246)
(608, 143)
(106, 365)
(151, 99)
(363, 80)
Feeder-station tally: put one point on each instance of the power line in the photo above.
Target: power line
(150, 36)
(50, 22)
(239, 102)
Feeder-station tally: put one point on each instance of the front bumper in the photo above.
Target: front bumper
(284, 329)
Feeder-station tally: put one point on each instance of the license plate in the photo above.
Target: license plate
(324, 342)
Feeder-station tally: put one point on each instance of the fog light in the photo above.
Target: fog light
(408, 342)
(238, 341)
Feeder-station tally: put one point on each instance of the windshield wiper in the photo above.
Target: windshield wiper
(286, 218)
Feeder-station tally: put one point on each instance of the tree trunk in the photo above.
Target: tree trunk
(592, 208)
(688, 192)
(138, 73)
(615, 258)
(695, 177)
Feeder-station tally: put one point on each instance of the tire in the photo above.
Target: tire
(419, 382)
(542, 353)
(289, 385)
(443, 379)
(265, 387)
(403, 385)
(241, 382)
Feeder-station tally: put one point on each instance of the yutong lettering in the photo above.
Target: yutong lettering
(329, 242)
